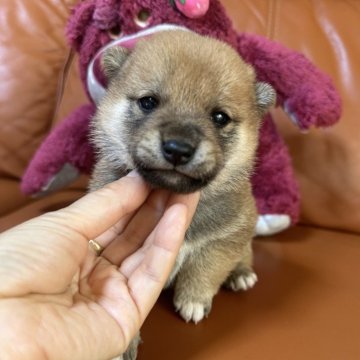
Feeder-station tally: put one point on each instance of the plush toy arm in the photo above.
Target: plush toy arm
(307, 94)
(62, 156)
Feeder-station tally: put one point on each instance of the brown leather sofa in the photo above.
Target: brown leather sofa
(307, 302)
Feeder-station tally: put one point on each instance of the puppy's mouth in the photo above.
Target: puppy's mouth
(173, 179)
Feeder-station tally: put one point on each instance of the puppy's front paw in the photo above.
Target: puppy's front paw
(192, 311)
(241, 280)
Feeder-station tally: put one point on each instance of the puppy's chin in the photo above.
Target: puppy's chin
(173, 180)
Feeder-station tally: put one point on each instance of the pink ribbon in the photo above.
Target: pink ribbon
(193, 8)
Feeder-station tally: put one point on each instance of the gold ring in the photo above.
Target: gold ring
(96, 247)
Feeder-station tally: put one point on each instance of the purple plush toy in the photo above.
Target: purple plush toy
(305, 93)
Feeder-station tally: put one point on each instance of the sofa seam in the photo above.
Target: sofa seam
(271, 19)
(64, 73)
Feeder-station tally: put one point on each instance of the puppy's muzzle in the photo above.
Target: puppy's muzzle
(177, 152)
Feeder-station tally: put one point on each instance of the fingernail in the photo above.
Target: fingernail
(133, 173)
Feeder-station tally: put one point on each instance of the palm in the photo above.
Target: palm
(100, 293)
(90, 303)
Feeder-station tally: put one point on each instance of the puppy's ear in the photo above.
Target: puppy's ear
(113, 59)
(265, 96)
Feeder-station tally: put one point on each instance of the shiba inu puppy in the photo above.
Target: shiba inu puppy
(185, 110)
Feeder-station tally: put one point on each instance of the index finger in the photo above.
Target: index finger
(100, 210)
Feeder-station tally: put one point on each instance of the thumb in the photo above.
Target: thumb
(98, 211)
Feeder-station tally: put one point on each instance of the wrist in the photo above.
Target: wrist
(16, 342)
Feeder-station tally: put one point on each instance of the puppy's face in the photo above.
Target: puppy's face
(180, 109)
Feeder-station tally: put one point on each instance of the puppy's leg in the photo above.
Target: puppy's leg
(203, 273)
(132, 350)
(243, 277)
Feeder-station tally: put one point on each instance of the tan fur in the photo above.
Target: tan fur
(192, 76)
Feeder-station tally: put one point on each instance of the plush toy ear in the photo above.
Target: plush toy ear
(265, 96)
(113, 59)
(81, 17)
(106, 14)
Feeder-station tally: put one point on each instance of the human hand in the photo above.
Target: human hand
(58, 300)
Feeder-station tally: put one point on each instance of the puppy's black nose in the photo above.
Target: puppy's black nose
(177, 152)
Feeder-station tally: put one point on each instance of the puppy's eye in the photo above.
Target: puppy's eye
(220, 119)
(148, 103)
